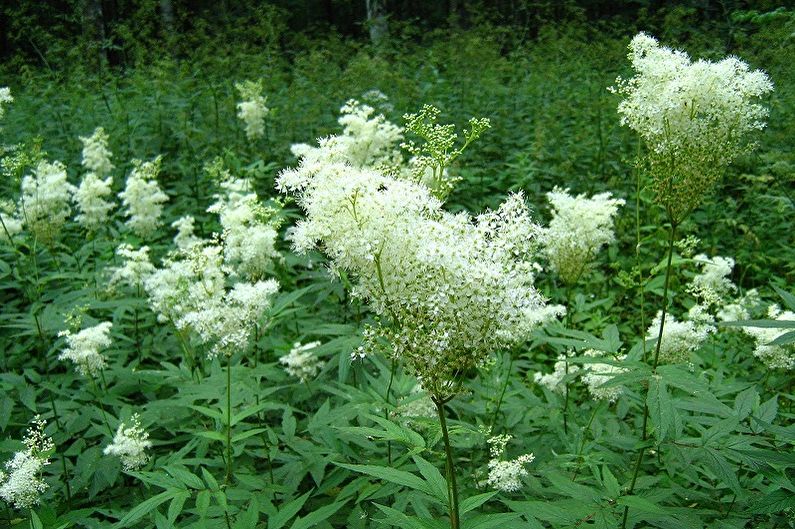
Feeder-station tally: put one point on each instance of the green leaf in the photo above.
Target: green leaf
(640, 503)
(317, 516)
(437, 484)
(473, 502)
(398, 519)
(392, 475)
(489, 521)
(175, 507)
(777, 501)
(661, 408)
(280, 519)
(249, 519)
(610, 483)
(788, 298)
(147, 506)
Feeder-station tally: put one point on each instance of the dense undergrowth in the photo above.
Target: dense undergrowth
(235, 440)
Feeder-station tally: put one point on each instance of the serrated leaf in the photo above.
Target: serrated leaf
(317, 516)
(147, 506)
(437, 484)
(280, 519)
(392, 475)
(661, 409)
(640, 503)
(473, 502)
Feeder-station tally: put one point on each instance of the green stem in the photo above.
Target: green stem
(566, 399)
(452, 487)
(502, 395)
(101, 406)
(229, 419)
(584, 439)
(644, 433)
(386, 411)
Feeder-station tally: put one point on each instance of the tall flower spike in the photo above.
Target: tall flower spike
(143, 197)
(91, 201)
(45, 201)
(693, 117)
(96, 155)
(23, 485)
(252, 109)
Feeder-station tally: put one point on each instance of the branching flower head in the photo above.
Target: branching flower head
(553, 381)
(96, 155)
(680, 338)
(449, 289)
(5, 98)
(185, 237)
(130, 444)
(579, 228)
(252, 109)
(712, 285)
(143, 197)
(301, 362)
(694, 117)
(45, 201)
(597, 374)
(10, 222)
(23, 484)
(506, 475)
(774, 356)
(84, 348)
(136, 268)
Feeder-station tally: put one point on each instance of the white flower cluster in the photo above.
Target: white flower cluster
(301, 363)
(417, 405)
(143, 197)
(453, 288)
(773, 356)
(552, 381)
(45, 201)
(96, 155)
(692, 116)
(506, 475)
(10, 223)
(185, 237)
(23, 484)
(680, 338)
(5, 97)
(741, 308)
(595, 374)
(130, 444)
(91, 203)
(580, 226)
(191, 291)
(249, 229)
(252, 109)
(136, 268)
(368, 140)
(712, 285)
(83, 348)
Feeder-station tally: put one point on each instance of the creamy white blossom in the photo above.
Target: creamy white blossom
(579, 228)
(453, 287)
(46, 198)
(301, 362)
(23, 484)
(506, 475)
(249, 229)
(96, 155)
(692, 116)
(84, 348)
(252, 109)
(91, 201)
(143, 198)
(553, 381)
(774, 356)
(10, 223)
(712, 285)
(185, 237)
(5, 97)
(595, 374)
(680, 338)
(130, 444)
(741, 308)
(136, 268)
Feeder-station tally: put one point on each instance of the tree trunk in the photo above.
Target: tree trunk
(377, 21)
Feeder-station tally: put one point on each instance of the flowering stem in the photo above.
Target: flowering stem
(386, 411)
(452, 487)
(644, 433)
(101, 407)
(584, 438)
(229, 419)
(566, 399)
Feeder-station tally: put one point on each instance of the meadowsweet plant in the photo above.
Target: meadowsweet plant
(774, 355)
(143, 199)
(554, 381)
(301, 362)
(448, 289)
(252, 110)
(185, 237)
(596, 375)
(10, 222)
(84, 349)
(136, 267)
(712, 285)
(45, 203)
(579, 228)
(22, 483)
(96, 155)
(130, 444)
(693, 116)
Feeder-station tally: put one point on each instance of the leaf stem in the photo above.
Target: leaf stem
(452, 487)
